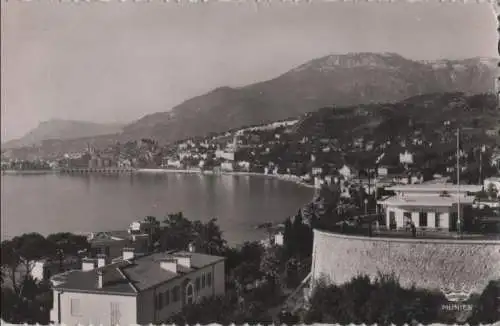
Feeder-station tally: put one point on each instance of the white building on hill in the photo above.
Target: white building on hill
(428, 206)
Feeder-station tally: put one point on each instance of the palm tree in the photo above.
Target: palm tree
(153, 230)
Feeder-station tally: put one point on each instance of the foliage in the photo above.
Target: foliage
(231, 308)
(272, 265)
(25, 299)
(66, 244)
(243, 265)
(382, 301)
(208, 310)
(32, 306)
(19, 254)
(178, 232)
(297, 238)
(492, 191)
(486, 310)
(208, 237)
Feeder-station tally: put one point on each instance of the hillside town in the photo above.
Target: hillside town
(284, 164)
(400, 149)
(402, 179)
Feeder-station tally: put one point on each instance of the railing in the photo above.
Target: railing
(293, 300)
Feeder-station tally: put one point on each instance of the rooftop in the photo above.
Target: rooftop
(130, 277)
(426, 201)
(106, 236)
(436, 187)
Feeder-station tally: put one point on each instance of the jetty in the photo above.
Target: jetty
(108, 170)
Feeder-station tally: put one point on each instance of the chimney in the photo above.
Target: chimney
(88, 264)
(100, 281)
(128, 253)
(101, 260)
(169, 264)
(183, 260)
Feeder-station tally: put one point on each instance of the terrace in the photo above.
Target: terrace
(365, 225)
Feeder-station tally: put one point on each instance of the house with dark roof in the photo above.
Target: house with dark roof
(135, 289)
(111, 243)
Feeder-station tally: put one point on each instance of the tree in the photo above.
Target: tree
(19, 254)
(209, 310)
(486, 309)
(492, 191)
(33, 306)
(243, 265)
(66, 244)
(382, 301)
(154, 233)
(272, 265)
(208, 237)
(177, 233)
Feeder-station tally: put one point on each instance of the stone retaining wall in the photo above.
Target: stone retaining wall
(430, 263)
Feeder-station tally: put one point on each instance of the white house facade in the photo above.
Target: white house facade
(494, 183)
(45, 268)
(428, 206)
(137, 289)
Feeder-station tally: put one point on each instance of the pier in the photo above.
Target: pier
(108, 170)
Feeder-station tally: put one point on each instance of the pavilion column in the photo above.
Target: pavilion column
(415, 219)
(431, 219)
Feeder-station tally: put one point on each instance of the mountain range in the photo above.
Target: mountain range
(338, 80)
(58, 129)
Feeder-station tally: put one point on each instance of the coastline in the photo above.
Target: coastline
(28, 172)
(281, 177)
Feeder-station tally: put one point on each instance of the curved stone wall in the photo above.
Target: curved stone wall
(427, 263)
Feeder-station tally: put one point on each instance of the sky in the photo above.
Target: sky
(117, 61)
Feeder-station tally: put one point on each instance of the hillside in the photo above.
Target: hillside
(62, 130)
(340, 80)
(431, 115)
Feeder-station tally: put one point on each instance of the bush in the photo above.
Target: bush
(382, 301)
(487, 307)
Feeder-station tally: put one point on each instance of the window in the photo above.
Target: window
(203, 280)
(75, 307)
(197, 284)
(407, 217)
(381, 220)
(115, 313)
(107, 251)
(209, 279)
(167, 297)
(437, 222)
(47, 273)
(392, 220)
(189, 293)
(176, 293)
(160, 301)
(422, 219)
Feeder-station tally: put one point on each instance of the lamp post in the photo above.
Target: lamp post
(459, 215)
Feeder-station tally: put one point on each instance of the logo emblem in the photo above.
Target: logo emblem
(456, 295)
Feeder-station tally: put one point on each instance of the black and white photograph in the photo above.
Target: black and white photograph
(250, 162)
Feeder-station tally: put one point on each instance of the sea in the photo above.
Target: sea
(50, 203)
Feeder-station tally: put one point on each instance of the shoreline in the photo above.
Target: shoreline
(281, 177)
(28, 172)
